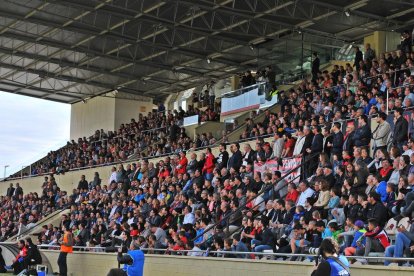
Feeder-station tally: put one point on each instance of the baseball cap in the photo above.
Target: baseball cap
(359, 223)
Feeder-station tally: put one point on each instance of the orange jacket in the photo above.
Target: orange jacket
(67, 244)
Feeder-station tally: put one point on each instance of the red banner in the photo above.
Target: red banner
(287, 165)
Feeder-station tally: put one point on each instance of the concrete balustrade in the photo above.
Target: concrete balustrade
(88, 263)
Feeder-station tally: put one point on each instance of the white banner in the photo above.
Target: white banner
(191, 120)
(246, 101)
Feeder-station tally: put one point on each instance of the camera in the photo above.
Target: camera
(312, 250)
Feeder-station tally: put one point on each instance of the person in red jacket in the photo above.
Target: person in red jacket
(292, 193)
(182, 164)
(18, 263)
(164, 172)
(376, 239)
(208, 165)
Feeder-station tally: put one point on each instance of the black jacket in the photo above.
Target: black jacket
(33, 255)
(362, 136)
(267, 237)
(349, 142)
(222, 159)
(337, 143)
(379, 212)
(315, 66)
(355, 212)
(83, 184)
(358, 58)
(307, 144)
(327, 149)
(400, 130)
(317, 143)
(10, 191)
(250, 159)
(18, 191)
(235, 161)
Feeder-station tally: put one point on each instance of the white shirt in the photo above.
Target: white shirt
(196, 252)
(260, 203)
(189, 219)
(408, 152)
(299, 145)
(112, 178)
(304, 195)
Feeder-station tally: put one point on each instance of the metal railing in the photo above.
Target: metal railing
(308, 159)
(207, 252)
(243, 90)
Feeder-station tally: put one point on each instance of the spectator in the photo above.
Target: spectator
(83, 184)
(236, 159)
(315, 66)
(381, 133)
(223, 157)
(403, 241)
(376, 239)
(400, 135)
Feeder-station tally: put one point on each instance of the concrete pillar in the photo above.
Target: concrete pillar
(235, 80)
(382, 41)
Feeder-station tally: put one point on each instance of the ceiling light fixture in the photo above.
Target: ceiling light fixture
(208, 60)
(347, 13)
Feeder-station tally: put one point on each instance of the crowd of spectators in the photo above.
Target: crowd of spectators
(220, 203)
(156, 134)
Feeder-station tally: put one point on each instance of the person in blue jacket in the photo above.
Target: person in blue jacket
(332, 263)
(381, 187)
(133, 262)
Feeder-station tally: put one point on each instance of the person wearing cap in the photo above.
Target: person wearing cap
(381, 133)
(376, 239)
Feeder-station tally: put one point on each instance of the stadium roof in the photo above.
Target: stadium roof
(67, 51)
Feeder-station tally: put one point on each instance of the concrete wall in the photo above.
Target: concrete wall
(106, 113)
(81, 263)
(125, 110)
(215, 128)
(383, 41)
(96, 113)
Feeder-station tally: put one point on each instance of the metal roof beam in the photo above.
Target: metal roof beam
(132, 16)
(63, 77)
(354, 8)
(90, 31)
(74, 65)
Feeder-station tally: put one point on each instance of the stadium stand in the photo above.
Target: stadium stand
(333, 158)
(224, 203)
